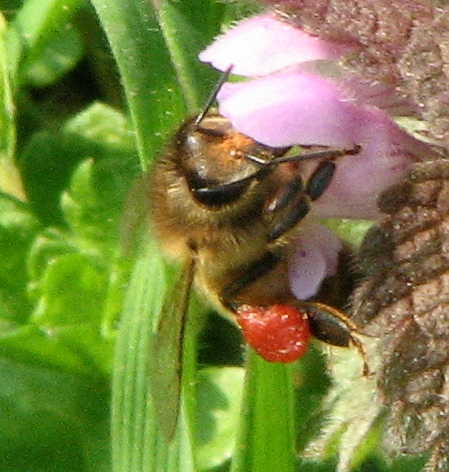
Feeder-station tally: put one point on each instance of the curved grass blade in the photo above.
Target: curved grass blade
(266, 440)
(138, 443)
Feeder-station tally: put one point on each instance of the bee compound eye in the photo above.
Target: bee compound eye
(212, 131)
(221, 195)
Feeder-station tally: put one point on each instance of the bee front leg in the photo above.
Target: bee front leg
(293, 204)
(289, 208)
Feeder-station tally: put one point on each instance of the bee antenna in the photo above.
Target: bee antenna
(213, 96)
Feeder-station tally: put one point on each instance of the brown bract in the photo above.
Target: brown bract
(404, 300)
(401, 42)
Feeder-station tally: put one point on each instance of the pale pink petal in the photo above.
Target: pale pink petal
(263, 44)
(312, 103)
(293, 108)
(289, 108)
(315, 258)
(387, 153)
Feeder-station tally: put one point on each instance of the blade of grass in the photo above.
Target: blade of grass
(150, 76)
(266, 437)
(152, 91)
(156, 50)
(138, 444)
(175, 31)
(131, 404)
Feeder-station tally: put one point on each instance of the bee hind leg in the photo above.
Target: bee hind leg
(333, 327)
(249, 274)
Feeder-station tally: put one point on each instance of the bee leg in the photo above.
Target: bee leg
(288, 209)
(320, 180)
(294, 202)
(251, 273)
(332, 327)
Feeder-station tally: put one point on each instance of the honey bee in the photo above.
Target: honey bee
(229, 209)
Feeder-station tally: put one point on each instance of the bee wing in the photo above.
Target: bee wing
(167, 353)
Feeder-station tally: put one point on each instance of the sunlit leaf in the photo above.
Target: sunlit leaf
(219, 401)
(266, 436)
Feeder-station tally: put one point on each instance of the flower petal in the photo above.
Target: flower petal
(289, 108)
(387, 153)
(312, 103)
(293, 108)
(315, 258)
(264, 44)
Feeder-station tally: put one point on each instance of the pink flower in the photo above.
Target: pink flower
(262, 45)
(299, 96)
(315, 258)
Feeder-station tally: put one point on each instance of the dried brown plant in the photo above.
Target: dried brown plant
(404, 301)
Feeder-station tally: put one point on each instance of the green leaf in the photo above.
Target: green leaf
(56, 59)
(76, 280)
(266, 436)
(219, 391)
(38, 24)
(70, 292)
(17, 230)
(29, 344)
(99, 133)
(352, 231)
(49, 244)
(91, 219)
(49, 419)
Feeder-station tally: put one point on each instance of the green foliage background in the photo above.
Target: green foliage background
(89, 93)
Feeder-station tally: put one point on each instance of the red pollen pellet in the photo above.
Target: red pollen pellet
(278, 333)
